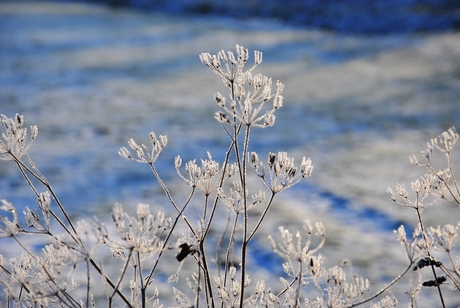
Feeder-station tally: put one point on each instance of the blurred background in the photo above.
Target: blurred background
(351, 16)
(367, 83)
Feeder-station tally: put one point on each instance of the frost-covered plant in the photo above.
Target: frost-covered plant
(80, 257)
(427, 243)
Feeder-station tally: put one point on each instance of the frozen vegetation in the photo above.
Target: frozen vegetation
(91, 78)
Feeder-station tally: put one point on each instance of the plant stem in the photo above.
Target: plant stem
(149, 276)
(262, 217)
(244, 247)
(387, 287)
(171, 200)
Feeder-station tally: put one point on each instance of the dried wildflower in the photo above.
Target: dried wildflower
(8, 227)
(427, 154)
(340, 292)
(42, 280)
(143, 211)
(401, 234)
(207, 177)
(248, 93)
(386, 302)
(292, 249)
(140, 234)
(402, 192)
(221, 291)
(256, 294)
(317, 303)
(412, 246)
(229, 67)
(144, 155)
(283, 173)
(32, 220)
(446, 236)
(182, 299)
(234, 200)
(446, 141)
(44, 204)
(14, 144)
(231, 293)
(248, 98)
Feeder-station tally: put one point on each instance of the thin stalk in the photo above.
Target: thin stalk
(123, 272)
(244, 247)
(41, 178)
(221, 183)
(455, 269)
(141, 280)
(220, 242)
(262, 217)
(457, 200)
(422, 228)
(20, 283)
(149, 276)
(134, 281)
(23, 168)
(88, 284)
(454, 179)
(450, 275)
(171, 200)
(71, 301)
(438, 286)
(234, 144)
(110, 282)
(230, 248)
(299, 284)
(198, 288)
(285, 289)
(387, 287)
(208, 281)
(206, 204)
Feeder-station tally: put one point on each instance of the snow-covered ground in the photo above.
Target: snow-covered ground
(92, 77)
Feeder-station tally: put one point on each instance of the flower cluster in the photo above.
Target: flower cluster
(40, 281)
(282, 171)
(144, 155)
(249, 93)
(339, 291)
(235, 201)
(9, 227)
(292, 249)
(233, 70)
(14, 144)
(140, 234)
(248, 99)
(208, 177)
(230, 295)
